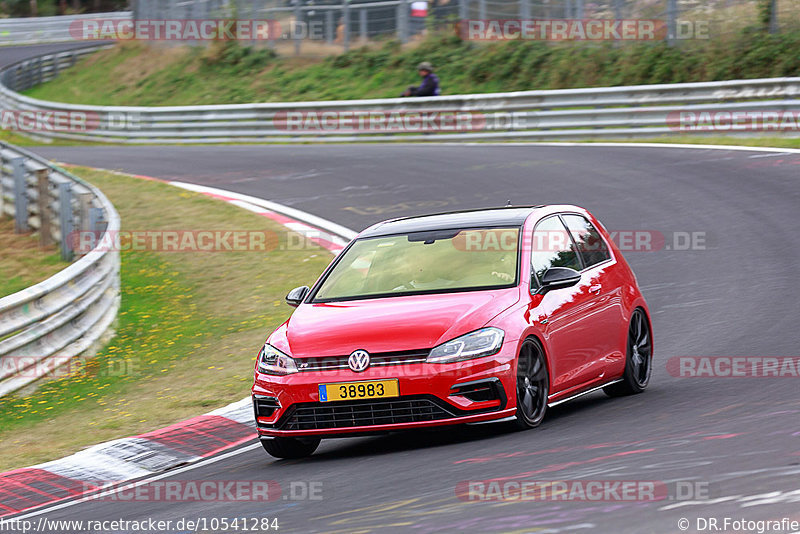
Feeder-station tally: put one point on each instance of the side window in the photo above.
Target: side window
(590, 244)
(552, 247)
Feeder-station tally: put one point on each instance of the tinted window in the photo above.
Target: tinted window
(419, 262)
(552, 247)
(590, 244)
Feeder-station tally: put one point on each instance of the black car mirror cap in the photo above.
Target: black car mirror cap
(297, 295)
(559, 277)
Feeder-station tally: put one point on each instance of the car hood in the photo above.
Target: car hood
(388, 324)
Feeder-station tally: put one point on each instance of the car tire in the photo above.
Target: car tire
(533, 385)
(290, 448)
(639, 358)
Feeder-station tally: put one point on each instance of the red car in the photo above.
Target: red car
(466, 317)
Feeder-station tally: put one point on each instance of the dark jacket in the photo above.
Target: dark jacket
(428, 87)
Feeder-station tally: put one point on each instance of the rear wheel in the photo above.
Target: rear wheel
(290, 448)
(533, 385)
(638, 363)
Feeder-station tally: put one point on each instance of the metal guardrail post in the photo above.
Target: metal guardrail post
(95, 218)
(39, 73)
(20, 196)
(65, 219)
(45, 219)
(363, 25)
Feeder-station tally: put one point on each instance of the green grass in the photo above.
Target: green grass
(22, 262)
(188, 329)
(129, 74)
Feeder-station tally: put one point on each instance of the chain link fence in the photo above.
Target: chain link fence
(340, 25)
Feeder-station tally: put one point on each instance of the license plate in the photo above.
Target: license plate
(375, 389)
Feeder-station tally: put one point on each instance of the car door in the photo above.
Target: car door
(564, 315)
(606, 309)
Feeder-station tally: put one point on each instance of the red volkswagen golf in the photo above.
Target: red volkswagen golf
(467, 317)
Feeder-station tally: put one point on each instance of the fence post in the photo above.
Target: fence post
(618, 9)
(524, 9)
(329, 30)
(672, 21)
(463, 9)
(773, 17)
(482, 9)
(65, 218)
(402, 21)
(20, 196)
(579, 12)
(346, 30)
(45, 221)
(298, 16)
(362, 24)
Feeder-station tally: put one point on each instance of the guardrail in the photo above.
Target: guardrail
(67, 315)
(605, 112)
(33, 30)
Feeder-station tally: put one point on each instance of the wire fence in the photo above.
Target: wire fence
(343, 24)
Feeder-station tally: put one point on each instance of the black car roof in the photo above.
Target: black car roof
(485, 217)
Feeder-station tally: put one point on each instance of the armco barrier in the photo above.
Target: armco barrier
(606, 112)
(68, 314)
(34, 30)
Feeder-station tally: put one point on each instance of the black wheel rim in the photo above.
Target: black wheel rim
(532, 382)
(640, 346)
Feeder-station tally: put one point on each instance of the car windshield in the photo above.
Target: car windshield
(438, 261)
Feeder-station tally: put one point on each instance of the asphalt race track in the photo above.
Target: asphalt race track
(736, 294)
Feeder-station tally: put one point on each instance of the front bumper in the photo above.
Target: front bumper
(431, 395)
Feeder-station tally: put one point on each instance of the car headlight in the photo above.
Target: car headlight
(476, 344)
(271, 361)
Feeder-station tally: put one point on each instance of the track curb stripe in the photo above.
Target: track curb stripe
(186, 442)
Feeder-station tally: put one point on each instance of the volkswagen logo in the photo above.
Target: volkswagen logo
(358, 360)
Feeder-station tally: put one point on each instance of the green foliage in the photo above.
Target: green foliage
(229, 73)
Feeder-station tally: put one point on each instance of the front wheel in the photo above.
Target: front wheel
(638, 363)
(533, 385)
(290, 448)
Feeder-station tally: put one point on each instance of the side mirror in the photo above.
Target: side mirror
(297, 295)
(559, 277)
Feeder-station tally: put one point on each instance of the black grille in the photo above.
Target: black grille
(363, 413)
(377, 359)
(265, 406)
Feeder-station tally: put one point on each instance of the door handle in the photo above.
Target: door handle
(595, 289)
